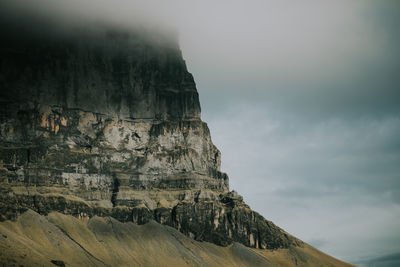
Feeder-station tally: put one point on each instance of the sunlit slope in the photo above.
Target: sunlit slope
(36, 240)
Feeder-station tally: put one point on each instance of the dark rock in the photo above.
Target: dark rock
(58, 263)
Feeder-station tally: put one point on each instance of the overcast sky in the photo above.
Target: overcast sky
(302, 98)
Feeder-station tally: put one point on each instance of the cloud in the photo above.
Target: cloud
(391, 260)
(319, 59)
(309, 133)
(333, 179)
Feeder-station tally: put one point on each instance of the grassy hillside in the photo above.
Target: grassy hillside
(63, 240)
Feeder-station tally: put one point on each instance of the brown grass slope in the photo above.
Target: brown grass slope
(36, 240)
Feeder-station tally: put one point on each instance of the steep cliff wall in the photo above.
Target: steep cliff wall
(107, 122)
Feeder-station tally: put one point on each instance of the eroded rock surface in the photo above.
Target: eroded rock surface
(108, 124)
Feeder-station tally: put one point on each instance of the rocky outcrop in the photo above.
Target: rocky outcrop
(107, 123)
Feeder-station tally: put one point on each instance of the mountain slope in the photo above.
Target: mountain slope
(36, 240)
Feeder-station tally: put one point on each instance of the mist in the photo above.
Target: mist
(302, 99)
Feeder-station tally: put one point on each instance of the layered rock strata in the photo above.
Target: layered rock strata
(107, 123)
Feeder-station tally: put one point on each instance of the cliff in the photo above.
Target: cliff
(106, 122)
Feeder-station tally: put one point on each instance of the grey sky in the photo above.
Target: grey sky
(302, 98)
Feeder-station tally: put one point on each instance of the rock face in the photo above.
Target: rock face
(107, 123)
